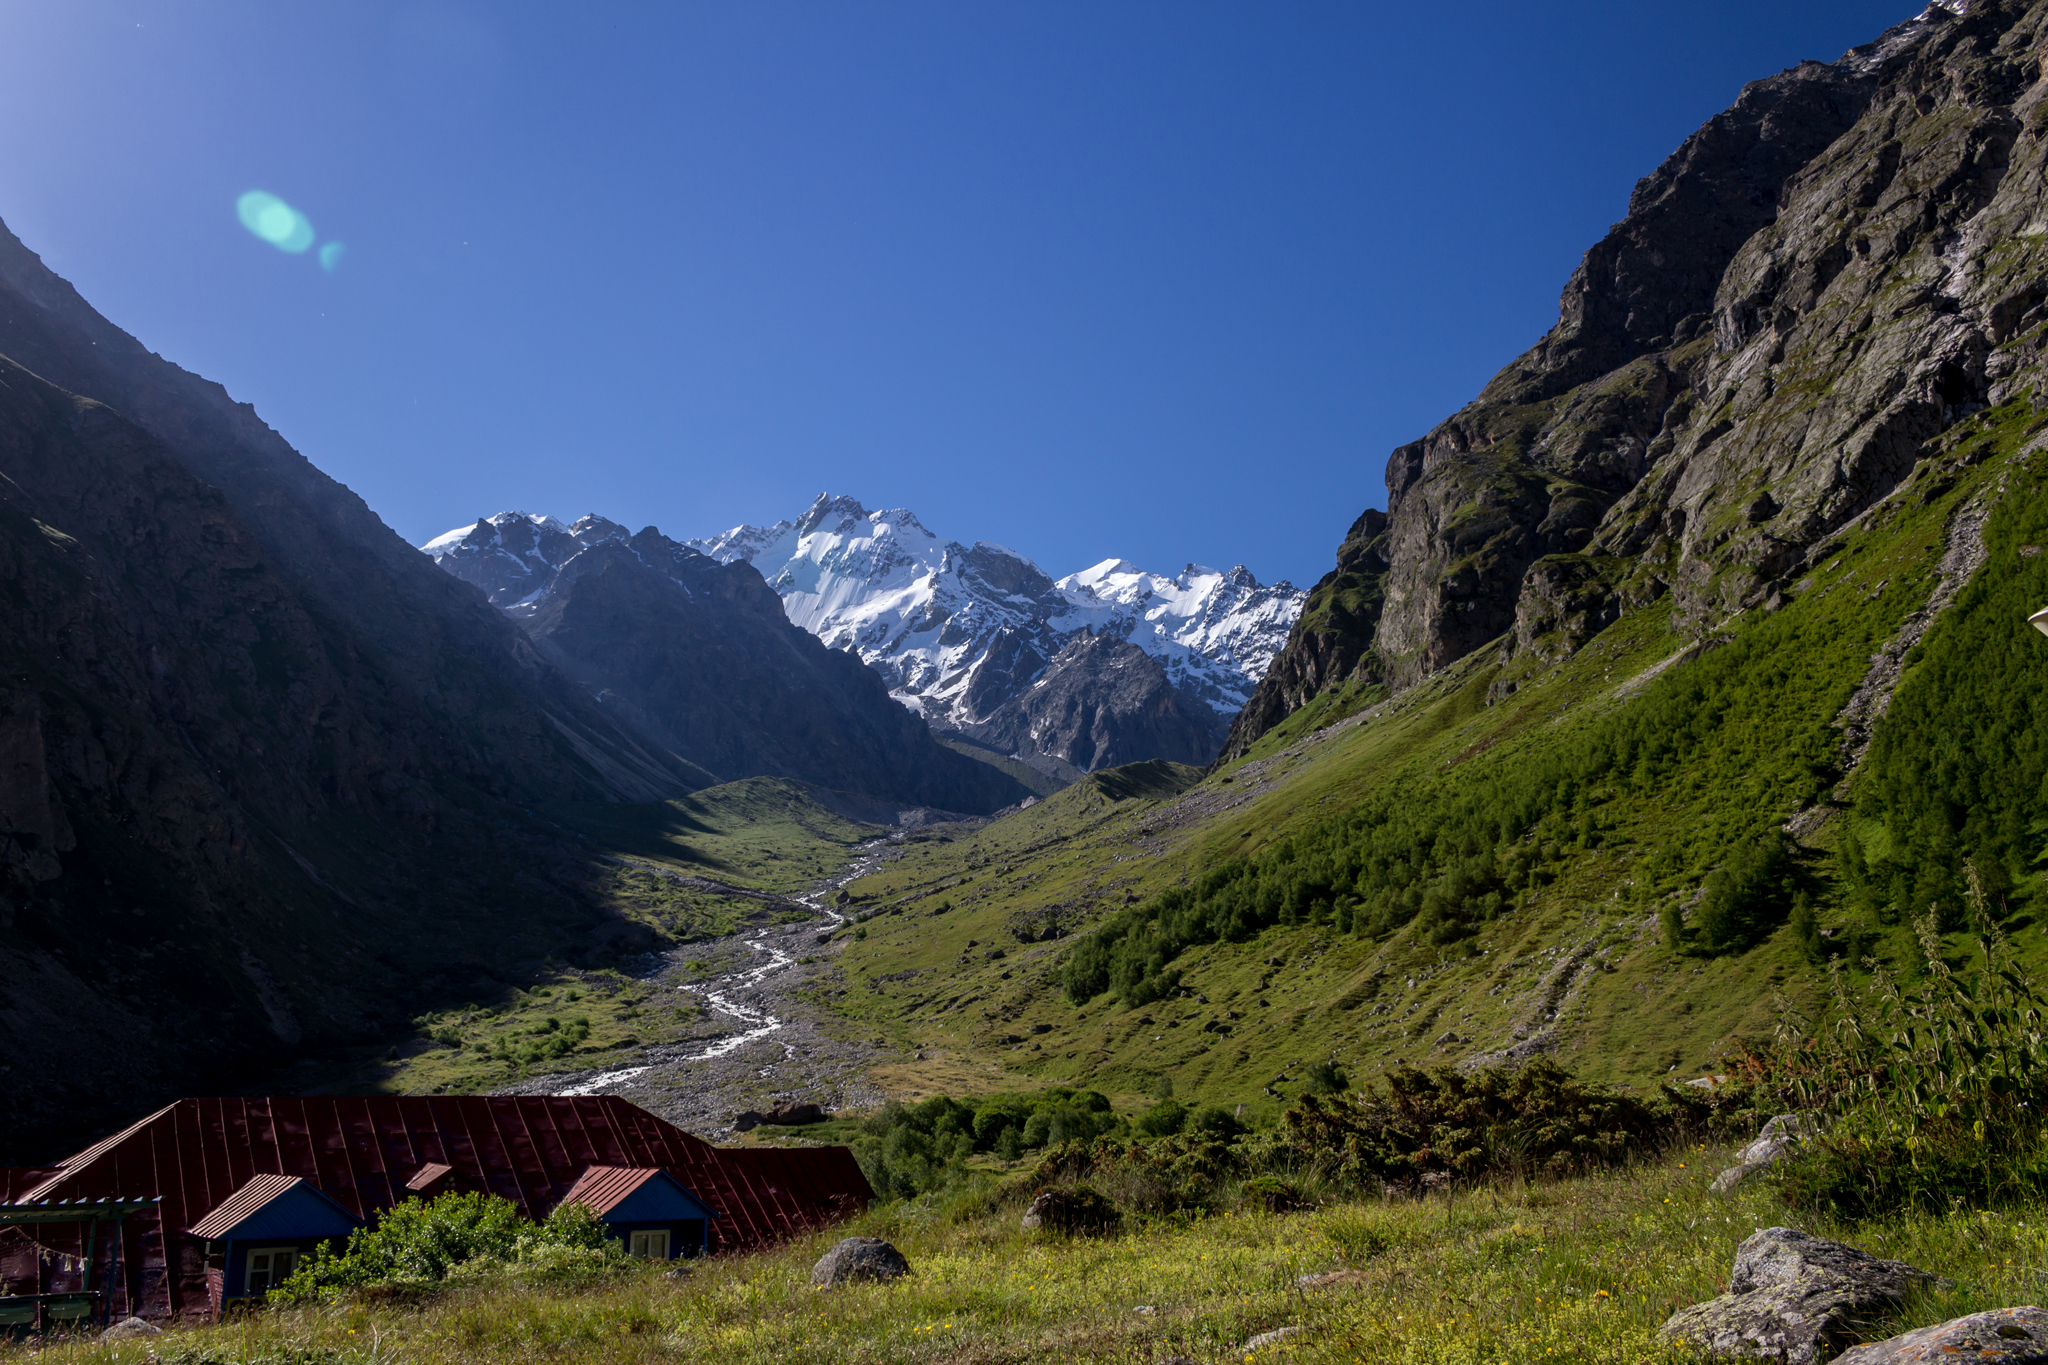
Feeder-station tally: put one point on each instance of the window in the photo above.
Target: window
(268, 1268)
(652, 1246)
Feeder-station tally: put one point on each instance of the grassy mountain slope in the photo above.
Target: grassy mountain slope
(1687, 655)
(1543, 831)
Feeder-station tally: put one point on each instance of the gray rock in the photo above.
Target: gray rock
(1780, 1136)
(2011, 1336)
(1272, 1338)
(1795, 1298)
(1732, 1177)
(859, 1258)
(1780, 1256)
(130, 1327)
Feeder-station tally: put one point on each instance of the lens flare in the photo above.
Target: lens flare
(331, 254)
(275, 221)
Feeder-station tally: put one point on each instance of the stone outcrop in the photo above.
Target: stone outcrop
(1795, 1298)
(2007, 1336)
(1823, 278)
(1777, 1140)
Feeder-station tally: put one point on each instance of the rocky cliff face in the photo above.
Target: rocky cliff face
(698, 656)
(1101, 702)
(1851, 258)
(262, 768)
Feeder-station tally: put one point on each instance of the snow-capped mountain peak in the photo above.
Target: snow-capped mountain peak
(959, 632)
(449, 540)
(925, 612)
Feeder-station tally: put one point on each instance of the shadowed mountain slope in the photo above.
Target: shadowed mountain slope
(264, 770)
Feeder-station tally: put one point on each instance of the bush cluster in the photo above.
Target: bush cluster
(1414, 1128)
(913, 1149)
(423, 1242)
(1410, 1131)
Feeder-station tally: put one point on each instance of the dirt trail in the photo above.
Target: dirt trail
(765, 1039)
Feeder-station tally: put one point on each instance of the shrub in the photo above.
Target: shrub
(1161, 1176)
(1163, 1119)
(1536, 1118)
(1216, 1123)
(917, 1149)
(1074, 1210)
(1327, 1078)
(1932, 1093)
(421, 1243)
(1742, 896)
(1271, 1193)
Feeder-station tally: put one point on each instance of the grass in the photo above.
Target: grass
(763, 833)
(1582, 1270)
(575, 1021)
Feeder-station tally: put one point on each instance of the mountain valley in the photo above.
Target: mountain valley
(1688, 659)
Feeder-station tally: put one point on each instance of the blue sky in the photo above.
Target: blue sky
(1165, 281)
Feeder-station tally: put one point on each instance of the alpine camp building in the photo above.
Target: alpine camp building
(211, 1200)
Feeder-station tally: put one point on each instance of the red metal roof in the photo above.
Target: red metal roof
(603, 1187)
(362, 1151)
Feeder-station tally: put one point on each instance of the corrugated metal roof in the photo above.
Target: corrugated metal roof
(601, 1188)
(226, 1217)
(362, 1152)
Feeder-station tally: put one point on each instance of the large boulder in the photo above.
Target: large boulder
(129, 1328)
(2010, 1336)
(1795, 1298)
(859, 1258)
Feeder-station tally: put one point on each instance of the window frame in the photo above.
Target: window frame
(634, 1240)
(270, 1269)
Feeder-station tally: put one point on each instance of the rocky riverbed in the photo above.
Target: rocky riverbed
(767, 1038)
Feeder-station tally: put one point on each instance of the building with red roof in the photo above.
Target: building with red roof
(365, 1154)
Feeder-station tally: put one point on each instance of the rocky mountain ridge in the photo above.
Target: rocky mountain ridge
(698, 656)
(1814, 285)
(979, 640)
